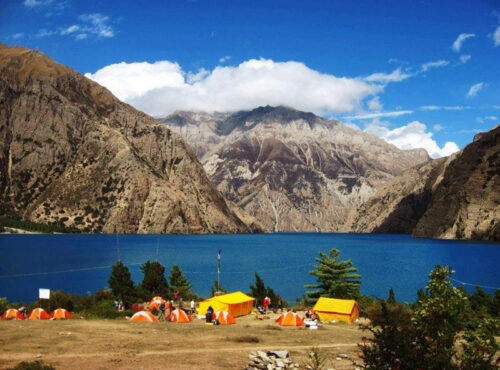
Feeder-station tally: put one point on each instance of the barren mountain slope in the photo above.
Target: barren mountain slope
(456, 197)
(70, 152)
(291, 170)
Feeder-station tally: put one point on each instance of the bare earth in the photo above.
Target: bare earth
(120, 344)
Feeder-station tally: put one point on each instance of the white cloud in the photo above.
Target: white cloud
(34, 3)
(496, 33)
(412, 136)
(17, 36)
(397, 61)
(438, 127)
(464, 58)
(395, 76)
(224, 59)
(436, 64)
(379, 114)
(70, 29)
(475, 89)
(97, 24)
(375, 104)
(492, 118)
(439, 107)
(91, 24)
(457, 44)
(163, 87)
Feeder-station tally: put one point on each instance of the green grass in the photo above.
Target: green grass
(15, 222)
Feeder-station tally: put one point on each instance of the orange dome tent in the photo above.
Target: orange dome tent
(143, 316)
(60, 314)
(137, 307)
(39, 314)
(224, 317)
(179, 316)
(12, 314)
(156, 302)
(290, 319)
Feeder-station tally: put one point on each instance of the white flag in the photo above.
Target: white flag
(44, 293)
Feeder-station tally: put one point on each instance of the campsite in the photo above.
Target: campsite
(108, 344)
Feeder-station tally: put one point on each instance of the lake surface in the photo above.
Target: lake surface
(81, 263)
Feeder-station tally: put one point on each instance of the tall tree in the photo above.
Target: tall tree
(154, 281)
(336, 279)
(260, 291)
(392, 297)
(121, 283)
(179, 282)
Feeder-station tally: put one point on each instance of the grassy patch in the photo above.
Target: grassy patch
(246, 339)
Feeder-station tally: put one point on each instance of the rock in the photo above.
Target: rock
(342, 355)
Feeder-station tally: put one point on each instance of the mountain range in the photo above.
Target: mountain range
(72, 154)
(291, 170)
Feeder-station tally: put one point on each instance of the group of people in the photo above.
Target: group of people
(162, 308)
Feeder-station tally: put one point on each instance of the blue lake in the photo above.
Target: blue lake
(81, 263)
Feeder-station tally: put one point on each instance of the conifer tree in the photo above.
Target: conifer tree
(154, 281)
(260, 291)
(336, 279)
(392, 297)
(121, 283)
(179, 282)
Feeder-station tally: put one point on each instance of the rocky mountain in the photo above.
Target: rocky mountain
(454, 198)
(291, 170)
(70, 152)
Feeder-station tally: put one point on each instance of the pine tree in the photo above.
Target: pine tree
(121, 283)
(336, 279)
(392, 297)
(179, 283)
(154, 281)
(217, 288)
(260, 291)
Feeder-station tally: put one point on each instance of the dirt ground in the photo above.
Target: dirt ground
(120, 344)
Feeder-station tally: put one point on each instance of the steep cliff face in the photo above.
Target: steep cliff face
(292, 170)
(70, 152)
(456, 197)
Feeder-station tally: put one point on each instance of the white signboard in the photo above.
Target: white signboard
(44, 293)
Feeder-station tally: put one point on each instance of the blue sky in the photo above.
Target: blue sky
(388, 67)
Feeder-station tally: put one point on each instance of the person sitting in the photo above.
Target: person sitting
(209, 314)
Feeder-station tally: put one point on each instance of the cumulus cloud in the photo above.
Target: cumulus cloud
(224, 59)
(380, 114)
(436, 64)
(411, 136)
(438, 127)
(464, 58)
(475, 89)
(457, 44)
(163, 87)
(395, 76)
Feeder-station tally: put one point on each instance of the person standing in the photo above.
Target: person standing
(209, 314)
(192, 306)
(267, 302)
(161, 316)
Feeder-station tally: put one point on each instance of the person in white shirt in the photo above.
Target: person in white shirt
(192, 306)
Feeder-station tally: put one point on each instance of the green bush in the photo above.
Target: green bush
(4, 305)
(104, 309)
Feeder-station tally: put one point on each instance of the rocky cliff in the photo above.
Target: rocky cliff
(70, 152)
(291, 170)
(453, 198)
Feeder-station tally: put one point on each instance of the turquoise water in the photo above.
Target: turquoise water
(81, 263)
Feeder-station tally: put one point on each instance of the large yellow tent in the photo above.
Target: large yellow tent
(237, 304)
(329, 309)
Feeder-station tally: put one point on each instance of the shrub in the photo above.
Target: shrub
(246, 339)
(4, 304)
(104, 309)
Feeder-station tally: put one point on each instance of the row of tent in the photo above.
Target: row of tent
(36, 314)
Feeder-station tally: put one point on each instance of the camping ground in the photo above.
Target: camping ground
(120, 344)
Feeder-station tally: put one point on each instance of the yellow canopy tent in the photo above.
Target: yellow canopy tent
(329, 309)
(237, 304)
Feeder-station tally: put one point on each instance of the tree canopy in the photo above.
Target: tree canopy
(179, 282)
(260, 291)
(336, 279)
(154, 281)
(121, 284)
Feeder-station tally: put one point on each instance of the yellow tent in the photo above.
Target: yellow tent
(237, 304)
(329, 309)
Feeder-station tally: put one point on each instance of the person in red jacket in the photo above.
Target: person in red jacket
(267, 303)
